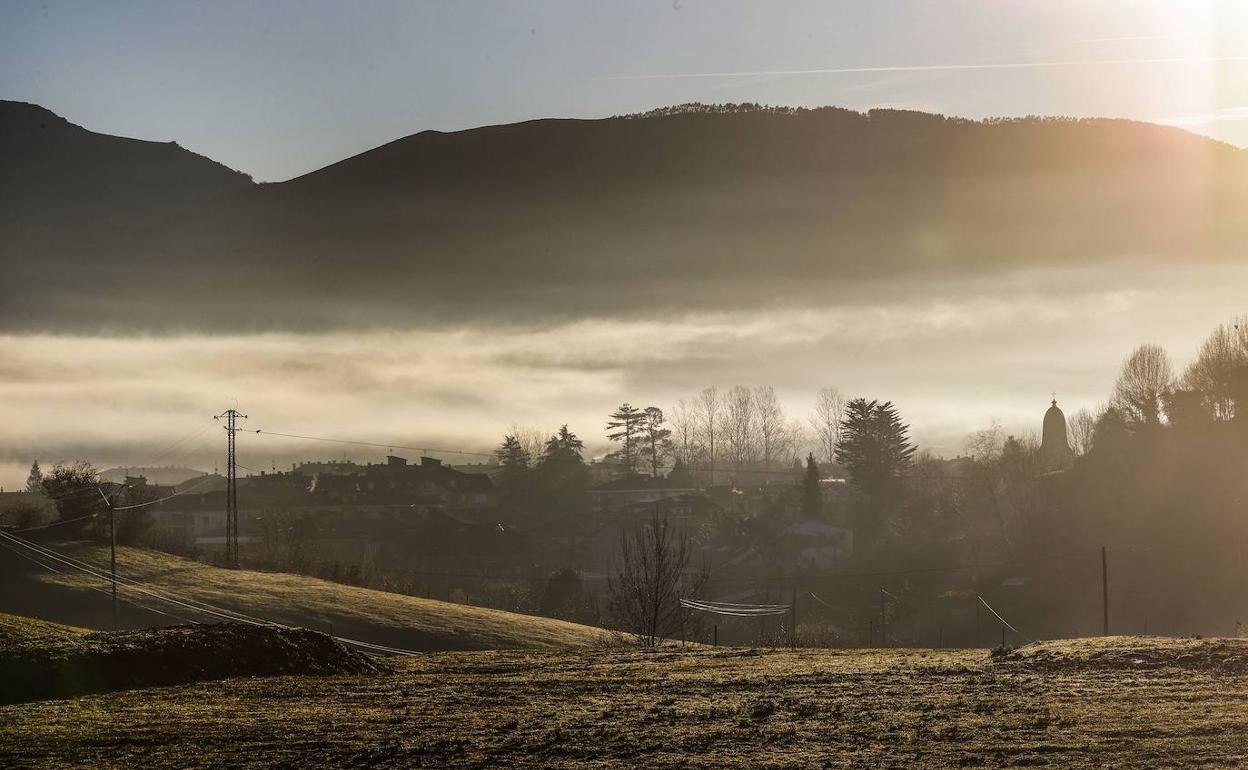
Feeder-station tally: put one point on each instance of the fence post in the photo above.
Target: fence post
(1104, 593)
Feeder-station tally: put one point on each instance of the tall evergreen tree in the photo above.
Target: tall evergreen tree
(656, 440)
(515, 461)
(812, 499)
(564, 446)
(34, 480)
(626, 425)
(561, 467)
(875, 448)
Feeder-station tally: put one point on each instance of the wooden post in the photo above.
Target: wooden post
(977, 637)
(883, 622)
(793, 617)
(715, 636)
(1104, 593)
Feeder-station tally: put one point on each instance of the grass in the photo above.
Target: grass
(375, 616)
(17, 628)
(708, 708)
(50, 667)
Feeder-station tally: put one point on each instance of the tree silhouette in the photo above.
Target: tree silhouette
(561, 467)
(34, 480)
(1220, 371)
(515, 461)
(626, 425)
(656, 445)
(812, 499)
(1145, 379)
(876, 450)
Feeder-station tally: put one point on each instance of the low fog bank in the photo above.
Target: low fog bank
(953, 357)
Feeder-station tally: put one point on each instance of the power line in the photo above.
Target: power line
(192, 604)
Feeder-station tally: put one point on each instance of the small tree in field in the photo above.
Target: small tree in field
(651, 578)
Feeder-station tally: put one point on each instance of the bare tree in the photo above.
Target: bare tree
(532, 439)
(984, 446)
(652, 576)
(710, 409)
(1221, 369)
(775, 434)
(1080, 427)
(740, 424)
(684, 422)
(826, 421)
(1143, 383)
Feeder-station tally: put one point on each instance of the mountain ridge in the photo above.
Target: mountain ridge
(687, 211)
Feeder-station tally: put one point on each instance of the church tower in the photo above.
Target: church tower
(1055, 452)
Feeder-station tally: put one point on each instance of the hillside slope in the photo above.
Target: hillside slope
(359, 613)
(19, 628)
(676, 211)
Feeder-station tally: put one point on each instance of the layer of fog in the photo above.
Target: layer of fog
(954, 357)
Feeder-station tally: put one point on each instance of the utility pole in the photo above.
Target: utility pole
(112, 546)
(977, 600)
(883, 622)
(231, 487)
(1104, 593)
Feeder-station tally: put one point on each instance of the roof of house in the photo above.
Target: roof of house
(639, 483)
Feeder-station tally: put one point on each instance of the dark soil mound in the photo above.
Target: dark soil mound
(1129, 653)
(40, 669)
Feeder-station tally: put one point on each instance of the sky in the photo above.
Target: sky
(280, 88)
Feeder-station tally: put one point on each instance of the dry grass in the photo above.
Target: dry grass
(670, 708)
(16, 628)
(374, 616)
(48, 667)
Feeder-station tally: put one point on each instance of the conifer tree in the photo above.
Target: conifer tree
(34, 480)
(812, 499)
(626, 425)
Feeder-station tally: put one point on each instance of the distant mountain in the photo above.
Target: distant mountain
(678, 210)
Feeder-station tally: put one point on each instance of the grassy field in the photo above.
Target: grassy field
(17, 628)
(362, 613)
(708, 708)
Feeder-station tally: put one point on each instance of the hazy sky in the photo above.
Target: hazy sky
(277, 88)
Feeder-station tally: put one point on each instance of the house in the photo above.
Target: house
(629, 491)
(812, 544)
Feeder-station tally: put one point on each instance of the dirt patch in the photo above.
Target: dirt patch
(46, 668)
(1129, 653)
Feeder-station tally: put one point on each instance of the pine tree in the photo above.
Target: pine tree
(561, 467)
(34, 481)
(515, 460)
(626, 426)
(656, 444)
(812, 499)
(564, 446)
(876, 450)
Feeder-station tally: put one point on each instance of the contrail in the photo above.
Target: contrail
(935, 67)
